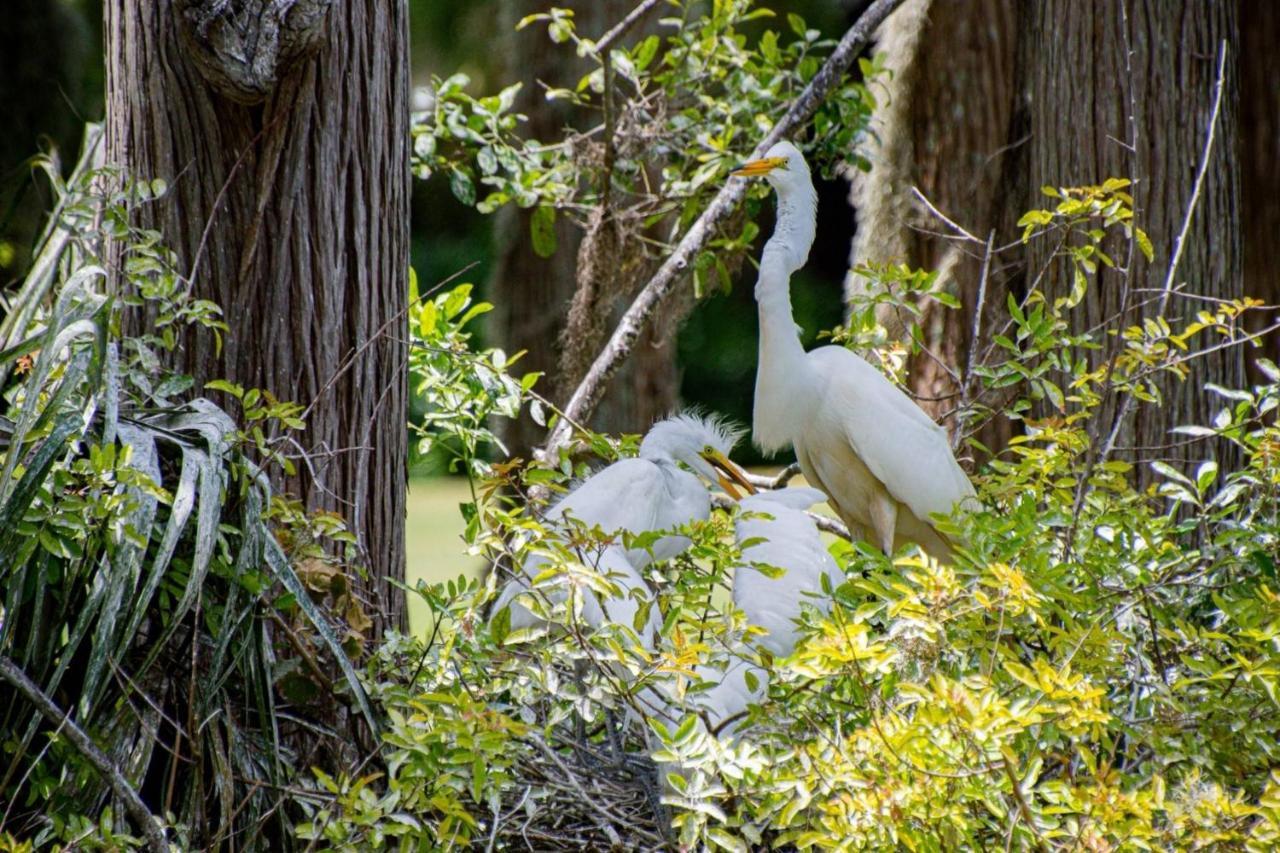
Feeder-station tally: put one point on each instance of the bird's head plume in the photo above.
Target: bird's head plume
(702, 442)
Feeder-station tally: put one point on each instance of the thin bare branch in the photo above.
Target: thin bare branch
(1127, 403)
(950, 223)
(624, 26)
(142, 816)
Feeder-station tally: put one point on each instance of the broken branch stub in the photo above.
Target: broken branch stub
(243, 48)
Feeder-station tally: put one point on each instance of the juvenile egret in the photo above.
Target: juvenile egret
(883, 463)
(650, 492)
(776, 533)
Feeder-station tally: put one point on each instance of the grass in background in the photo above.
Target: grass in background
(433, 538)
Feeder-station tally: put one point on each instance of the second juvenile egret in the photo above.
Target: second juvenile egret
(883, 463)
(776, 533)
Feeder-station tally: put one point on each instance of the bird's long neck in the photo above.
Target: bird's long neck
(781, 354)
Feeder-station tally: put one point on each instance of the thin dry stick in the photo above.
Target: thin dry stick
(142, 816)
(588, 393)
(973, 336)
(1127, 403)
(610, 38)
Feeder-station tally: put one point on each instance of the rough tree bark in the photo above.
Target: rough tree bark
(1005, 99)
(1091, 66)
(282, 131)
(1259, 154)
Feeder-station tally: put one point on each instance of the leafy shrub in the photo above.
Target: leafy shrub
(1097, 670)
(141, 589)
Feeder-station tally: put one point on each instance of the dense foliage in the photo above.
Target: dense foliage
(142, 589)
(1098, 669)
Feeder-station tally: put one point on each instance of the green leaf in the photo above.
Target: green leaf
(542, 229)
(644, 53)
(463, 188)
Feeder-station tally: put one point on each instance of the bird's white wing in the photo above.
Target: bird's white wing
(623, 496)
(895, 439)
(621, 609)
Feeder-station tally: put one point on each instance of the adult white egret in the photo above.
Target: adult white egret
(648, 493)
(883, 463)
(775, 532)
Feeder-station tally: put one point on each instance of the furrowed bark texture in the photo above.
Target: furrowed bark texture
(1079, 101)
(292, 214)
(1022, 94)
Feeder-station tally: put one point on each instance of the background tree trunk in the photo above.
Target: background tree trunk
(1259, 156)
(996, 102)
(1090, 67)
(289, 206)
(531, 294)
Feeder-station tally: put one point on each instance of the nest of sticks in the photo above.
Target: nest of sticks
(576, 792)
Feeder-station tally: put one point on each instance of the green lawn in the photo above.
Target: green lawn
(434, 537)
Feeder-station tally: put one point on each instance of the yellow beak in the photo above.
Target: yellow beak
(756, 168)
(730, 474)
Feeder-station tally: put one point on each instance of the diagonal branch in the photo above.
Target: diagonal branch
(137, 809)
(590, 390)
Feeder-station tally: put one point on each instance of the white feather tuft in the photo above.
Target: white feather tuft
(691, 429)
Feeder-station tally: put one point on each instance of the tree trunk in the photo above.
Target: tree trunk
(1092, 65)
(1034, 93)
(531, 293)
(283, 138)
(1259, 154)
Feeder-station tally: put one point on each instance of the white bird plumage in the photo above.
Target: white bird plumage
(775, 531)
(650, 492)
(884, 465)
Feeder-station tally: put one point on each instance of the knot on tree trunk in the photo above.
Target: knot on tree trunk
(242, 48)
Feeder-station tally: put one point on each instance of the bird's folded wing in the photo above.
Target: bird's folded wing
(901, 446)
(623, 496)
